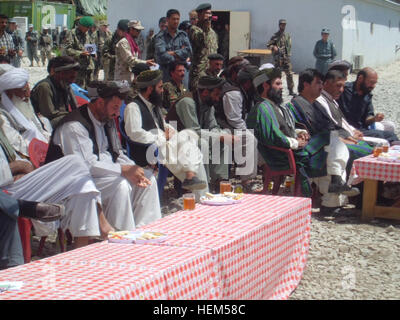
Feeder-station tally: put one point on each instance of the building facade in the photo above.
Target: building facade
(366, 32)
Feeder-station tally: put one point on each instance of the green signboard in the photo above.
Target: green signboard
(41, 13)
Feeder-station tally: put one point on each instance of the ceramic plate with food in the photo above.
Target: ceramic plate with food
(227, 198)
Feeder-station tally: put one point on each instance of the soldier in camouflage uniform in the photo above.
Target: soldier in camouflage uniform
(108, 53)
(174, 89)
(204, 42)
(31, 38)
(46, 45)
(281, 46)
(100, 37)
(74, 47)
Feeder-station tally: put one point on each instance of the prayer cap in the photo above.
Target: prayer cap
(340, 65)
(326, 30)
(209, 82)
(204, 6)
(135, 24)
(12, 20)
(123, 24)
(248, 72)
(265, 75)
(87, 22)
(108, 89)
(46, 27)
(30, 26)
(267, 66)
(216, 56)
(139, 68)
(64, 63)
(282, 21)
(148, 78)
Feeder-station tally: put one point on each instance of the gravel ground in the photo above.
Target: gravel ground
(348, 259)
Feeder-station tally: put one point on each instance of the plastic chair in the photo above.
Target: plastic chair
(37, 153)
(278, 176)
(80, 95)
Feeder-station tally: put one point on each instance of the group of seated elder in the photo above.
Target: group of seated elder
(96, 188)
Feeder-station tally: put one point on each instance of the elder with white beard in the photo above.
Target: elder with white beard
(17, 116)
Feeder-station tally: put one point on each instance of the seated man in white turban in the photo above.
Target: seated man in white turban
(129, 193)
(65, 181)
(17, 117)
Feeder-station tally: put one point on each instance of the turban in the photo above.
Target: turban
(107, 89)
(148, 78)
(265, 75)
(16, 78)
(209, 82)
(248, 72)
(12, 78)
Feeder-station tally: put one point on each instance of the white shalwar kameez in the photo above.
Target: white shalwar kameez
(125, 206)
(66, 181)
(180, 154)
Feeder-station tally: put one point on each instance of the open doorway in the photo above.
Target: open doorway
(221, 25)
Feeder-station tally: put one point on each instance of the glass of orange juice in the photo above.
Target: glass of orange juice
(225, 186)
(189, 201)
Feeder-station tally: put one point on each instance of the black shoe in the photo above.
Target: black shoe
(337, 185)
(41, 211)
(329, 211)
(194, 184)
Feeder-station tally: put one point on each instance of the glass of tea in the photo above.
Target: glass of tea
(385, 147)
(225, 186)
(378, 150)
(189, 201)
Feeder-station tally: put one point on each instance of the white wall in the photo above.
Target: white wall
(378, 48)
(306, 18)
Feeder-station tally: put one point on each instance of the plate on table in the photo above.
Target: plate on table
(140, 237)
(389, 157)
(228, 198)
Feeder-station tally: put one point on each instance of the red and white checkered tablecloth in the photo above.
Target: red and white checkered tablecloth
(372, 168)
(118, 271)
(261, 253)
(253, 250)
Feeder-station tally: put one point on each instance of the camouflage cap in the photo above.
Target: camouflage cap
(210, 82)
(135, 24)
(148, 78)
(282, 21)
(216, 56)
(204, 6)
(108, 89)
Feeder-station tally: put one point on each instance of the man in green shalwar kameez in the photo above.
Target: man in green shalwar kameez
(321, 155)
